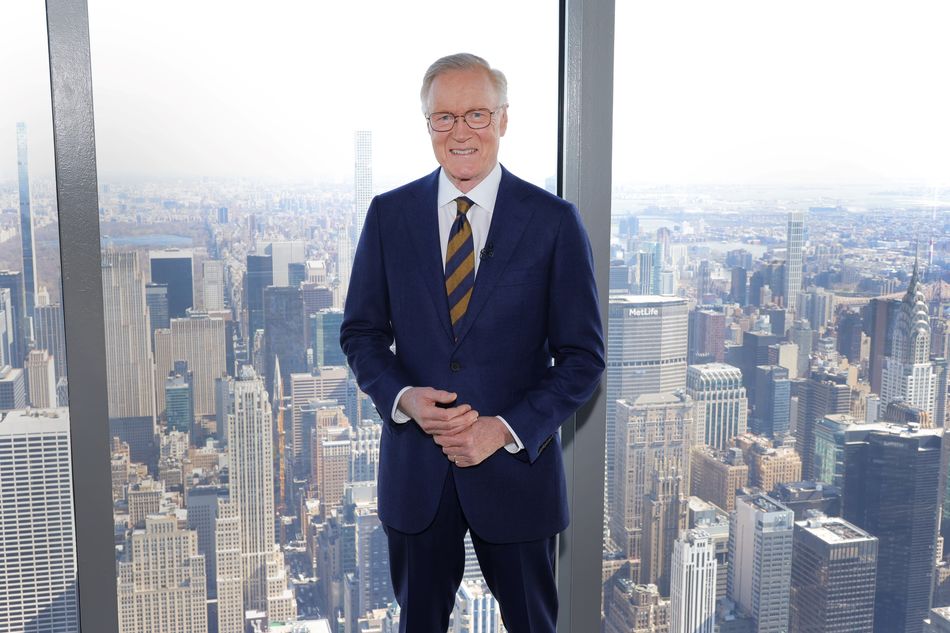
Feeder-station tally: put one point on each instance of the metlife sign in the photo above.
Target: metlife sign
(643, 312)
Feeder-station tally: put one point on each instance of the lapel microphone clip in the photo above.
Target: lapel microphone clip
(487, 252)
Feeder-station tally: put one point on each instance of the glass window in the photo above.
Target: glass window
(779, 183)
(238, 150)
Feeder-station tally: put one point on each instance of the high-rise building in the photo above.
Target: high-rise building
(27, 242)
(820, 394)
(283, 254)
(633, 607)
(344, 264)
(179, 403)
(803, 497)
(647, 350)
(770, 414)
(251, 452)
(131, 390)
(259, 275)
(156, 298)
(715, 475)
(327, 387)
(880, 317)
(794, 246)
(755, 352)
(372, 547)
(204, 503)
(891, 490)
(760, 561)
(283, 333)
(740, 286)
(213, 284)
(173, 267)
(714, 521)
(229, 568)
(693, 583)
(7, 331)
(13, 281)
(161, 584)
(802, 335)
(41, 378)
(833, 574)
(909, 375)
(364, 451)
(325, 338)
(476, 610)
(50, 334)
(850, 328)
(707, 330)
(13, 390)
(769, 465)
(199, 340)
(362, 176)
(648, 513)
(331, 464)
(722, 407)
(37, 537)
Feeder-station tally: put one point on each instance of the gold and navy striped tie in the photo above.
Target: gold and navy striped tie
(460, 264)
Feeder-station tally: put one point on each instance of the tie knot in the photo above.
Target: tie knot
(463, 204)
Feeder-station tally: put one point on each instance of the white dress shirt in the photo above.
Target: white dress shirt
(483, 196)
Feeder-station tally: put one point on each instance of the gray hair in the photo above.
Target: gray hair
(463, 61)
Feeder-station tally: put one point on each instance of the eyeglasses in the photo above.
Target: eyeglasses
(475, 119)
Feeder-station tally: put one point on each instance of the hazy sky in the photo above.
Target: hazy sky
(725, 92)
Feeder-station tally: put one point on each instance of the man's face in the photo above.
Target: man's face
(466, 155)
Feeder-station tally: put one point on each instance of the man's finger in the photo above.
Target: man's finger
(443, 396)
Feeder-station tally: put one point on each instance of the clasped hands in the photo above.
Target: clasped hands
(466, 438)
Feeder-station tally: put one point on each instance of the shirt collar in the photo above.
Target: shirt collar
(483, 194)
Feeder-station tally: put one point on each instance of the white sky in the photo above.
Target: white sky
(725, 92)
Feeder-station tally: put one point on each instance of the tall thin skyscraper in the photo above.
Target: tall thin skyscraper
(130, 375)
(37, 537)
(50, 334)
(259, 275)
(27, 243)
(213, 281)
(760, 561)
(833, 574)
(283, 334)
(363, 176)
(251, 452)
(693, 584)
(795, 242)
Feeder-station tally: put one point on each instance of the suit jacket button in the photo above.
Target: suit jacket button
(455, 365)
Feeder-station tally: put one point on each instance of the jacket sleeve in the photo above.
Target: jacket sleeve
(366, 333)
(575, 340)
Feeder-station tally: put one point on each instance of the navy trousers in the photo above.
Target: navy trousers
(427, 570)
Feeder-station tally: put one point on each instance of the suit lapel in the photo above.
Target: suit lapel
(422, 225)
(508, 223)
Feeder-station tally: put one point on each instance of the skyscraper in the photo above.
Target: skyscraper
(820, 394)
(647, 350)
(179, 403)
(161, 584)
(706, 336)
(909, 375)
(802, 335)
(251, 452)
(51, 335)
(259, 275)
(213, 284)
(283, 333)
(760, 561)
(129, 370)
(833, 574)
(880, 317)
(198, 340)
(41, 378)
(770, 416)
(283, 254)
(794, 244)
(37, 536)
(362, 176)
(13, 281)
(716, 475)
(651, 481)
(27, 243)
(174, 267)
(891, 488)
(693, 583)
(13, 393)
(325, 338)
(721, 402)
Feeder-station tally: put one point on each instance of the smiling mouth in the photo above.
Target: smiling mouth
(462, 152)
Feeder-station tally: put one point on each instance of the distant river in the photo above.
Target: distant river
(159, 240)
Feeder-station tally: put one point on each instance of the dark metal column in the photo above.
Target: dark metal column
(78, 203)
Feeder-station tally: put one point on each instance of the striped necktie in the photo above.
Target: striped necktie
(460, 264)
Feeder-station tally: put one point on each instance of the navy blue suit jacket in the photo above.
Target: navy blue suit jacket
(534, 299)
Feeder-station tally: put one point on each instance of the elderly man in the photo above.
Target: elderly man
(480, 279)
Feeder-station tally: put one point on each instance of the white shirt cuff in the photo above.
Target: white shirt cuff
(397, 414)
(515, 446)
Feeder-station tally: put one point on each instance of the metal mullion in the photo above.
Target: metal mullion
(78, 215)
(584, 178)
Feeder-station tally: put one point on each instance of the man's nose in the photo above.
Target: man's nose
(461, 131)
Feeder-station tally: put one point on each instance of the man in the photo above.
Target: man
(480, 279)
